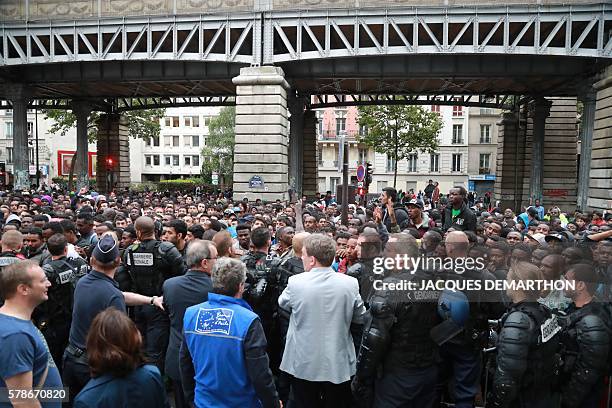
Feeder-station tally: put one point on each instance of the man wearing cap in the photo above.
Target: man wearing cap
(94, 293)
(417, 218)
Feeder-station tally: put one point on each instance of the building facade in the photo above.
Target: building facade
(449, 165)
(482, 139)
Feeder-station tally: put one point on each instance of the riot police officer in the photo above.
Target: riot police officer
(398, 337)
(369, 246)
(54, 316)
(586, 340)
(526, 348)
(145, 267)
(261, 291)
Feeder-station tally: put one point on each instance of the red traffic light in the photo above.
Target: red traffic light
(361, 191)
(109, 161)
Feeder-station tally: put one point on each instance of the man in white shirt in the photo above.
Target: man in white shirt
(319, 351)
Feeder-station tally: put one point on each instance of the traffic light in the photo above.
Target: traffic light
(361, 191)
(109, 162)
(368, 177)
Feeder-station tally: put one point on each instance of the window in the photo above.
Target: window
(333, 184)
(148, 160)
(363, 130)
(175, 121)
(188, 161)
(171, 121)
(320, 122)
(207, 120)
(9, 130)
(457, 110)
(456, 165)
(485, 133)
(9, 152)
(175, 160)
(167, 160)
(195, 141)
(390, 164)
(187, 141)
(192, 121)
(340, 126)
(195, 161)
(363, 155)
(156, 141)
(457, 134)
(412, 163)
(320, 157)
(435, 108)
(148, 141)
(484, 163)
(171, 141)
(31, 152)
(381, 184)
(203, 140)
(156, 159)
(434, 163)
(30, 129)
(487, 111)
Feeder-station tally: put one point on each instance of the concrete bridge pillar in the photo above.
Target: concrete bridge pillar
(19, 97)
(296, 145)
(260, 153)
(600, 183)
(586, 144)
(113, 166)
(82, 110)
(541, 110)
(510, 167)
(310, 168)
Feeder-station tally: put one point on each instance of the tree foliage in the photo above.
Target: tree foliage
(400, 130)
(218, 153)
(142, 124)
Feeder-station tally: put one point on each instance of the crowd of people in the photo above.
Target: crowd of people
(157, 299)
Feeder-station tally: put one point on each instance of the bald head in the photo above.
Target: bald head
(298, 242)
(12, 241)
(456, 244)
(145, 226)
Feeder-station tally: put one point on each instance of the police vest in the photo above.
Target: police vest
(145, 264)
(63, 275)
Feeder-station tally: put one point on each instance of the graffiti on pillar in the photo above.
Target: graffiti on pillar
(256, 182)
(22, 180)
(555, 193)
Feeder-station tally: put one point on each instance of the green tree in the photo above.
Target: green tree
(142, 124)
(399, 130)
(218, 153)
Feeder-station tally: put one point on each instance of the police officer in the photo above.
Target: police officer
(261, 291)
(369, 246)
(146, 265)
(53, 317)
(12, 242)
(398, 338)
(528, 342)
(586, 340)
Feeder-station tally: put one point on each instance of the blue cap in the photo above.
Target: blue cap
(106, 250)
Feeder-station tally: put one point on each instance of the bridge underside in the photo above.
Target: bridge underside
(410, 74)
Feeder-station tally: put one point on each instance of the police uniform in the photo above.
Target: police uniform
(146, 266)
(398, 340)
(526, 358)
(363, 271)
(586, 339)
(54, 316)
(262, 292)
(8, 258)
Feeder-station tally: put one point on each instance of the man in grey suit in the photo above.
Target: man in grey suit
(319, 351)
(180, 293)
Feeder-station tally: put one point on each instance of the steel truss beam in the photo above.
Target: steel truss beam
(272, 37)
(227, 38)
(572, 30)
(506, 102)
(129, 104)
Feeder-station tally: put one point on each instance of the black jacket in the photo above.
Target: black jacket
(465, 221)
(400, 215)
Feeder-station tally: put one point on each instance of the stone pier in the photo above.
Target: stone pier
(113, 144)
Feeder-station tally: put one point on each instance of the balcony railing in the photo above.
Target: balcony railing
(333, 135)
(484, 170)
(484, 140)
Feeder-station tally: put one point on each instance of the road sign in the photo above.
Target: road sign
(360, 173)
(360, 184)
(215, 179)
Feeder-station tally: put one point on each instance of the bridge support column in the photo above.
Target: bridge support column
(510, 166)
(600, 183)
(82, 111)
(113, 167)
(586, 144)
(260, 153)
(19, 96)
(296, 145)
(310, 172)
(541, 111)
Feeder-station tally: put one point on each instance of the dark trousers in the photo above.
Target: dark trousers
(56, 337)
(464, 363)
(75, 375)
(407, 388)
(154, 327)
(179, 395)
(320, 394)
